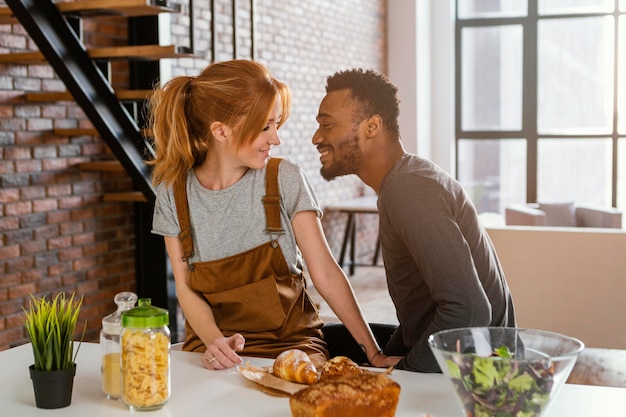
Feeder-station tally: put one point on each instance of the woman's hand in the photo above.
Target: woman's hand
(221, 353)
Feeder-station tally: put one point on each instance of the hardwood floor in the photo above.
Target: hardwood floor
(594, 366)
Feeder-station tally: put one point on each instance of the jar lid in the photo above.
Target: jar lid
(112, 324)
(145, 315)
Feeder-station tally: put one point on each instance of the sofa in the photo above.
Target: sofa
(566, 279)
(563, 215)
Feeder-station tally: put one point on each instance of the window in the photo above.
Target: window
(541, 101)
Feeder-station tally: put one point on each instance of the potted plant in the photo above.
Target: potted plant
(50, 325)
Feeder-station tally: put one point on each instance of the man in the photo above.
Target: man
(442, 269)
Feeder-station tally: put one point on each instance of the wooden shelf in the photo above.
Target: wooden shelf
(94, 8)
(134, 52)
(108, 166)
(79, 131)
(52, 96)
(131, 196)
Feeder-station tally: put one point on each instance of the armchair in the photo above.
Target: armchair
(563, 215)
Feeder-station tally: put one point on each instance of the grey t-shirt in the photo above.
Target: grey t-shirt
(442, 269)
(231, 221)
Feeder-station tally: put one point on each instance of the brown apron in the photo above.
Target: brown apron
(254, 293)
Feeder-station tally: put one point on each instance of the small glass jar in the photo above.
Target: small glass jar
(145, 344)
(110, 345)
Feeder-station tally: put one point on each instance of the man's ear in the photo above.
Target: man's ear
(221, 132)
(374, 125)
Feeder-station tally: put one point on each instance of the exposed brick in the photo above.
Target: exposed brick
(69, 150)
(45, 152)
(59, 216)
(45, 205)
(70, 254)
(19, 264)
(49, 284)
(69, 201)
(10, 307)
(19, 291)
(17, 236)
(33, 220)
(9, 195)
(83, 239)
(39, 124)
(54, 112)
(46, 259)
(45, 231)
(14, 321)
(12, 124)
(6, 139)
(29, 138)
(7, 167)
(11, 251)
(59, 190)
(16, 153)
(15, 180)
(27, 111)
(54, 164)
(59, 268)
(9, 223)
(59, 242)
(28, 166)
(9, 337)
(6, 111)
(7, 280)
(18, 208)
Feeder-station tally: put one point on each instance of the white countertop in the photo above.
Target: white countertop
(197, 391)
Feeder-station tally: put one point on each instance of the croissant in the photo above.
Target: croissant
(295, 365)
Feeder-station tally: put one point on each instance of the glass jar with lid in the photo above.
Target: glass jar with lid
(110, 345)
(145, 350)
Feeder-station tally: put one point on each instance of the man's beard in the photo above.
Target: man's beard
(346, 158)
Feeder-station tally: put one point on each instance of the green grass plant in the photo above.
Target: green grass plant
(51, 325)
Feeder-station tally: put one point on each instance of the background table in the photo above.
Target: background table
(353, 207)
(200, 392)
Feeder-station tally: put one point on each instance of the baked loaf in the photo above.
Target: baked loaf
(370, 394)
(339, 366)
(295, 365)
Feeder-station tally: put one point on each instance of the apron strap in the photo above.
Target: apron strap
(182, 210)
(271, 201)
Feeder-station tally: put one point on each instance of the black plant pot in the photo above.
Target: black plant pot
(53, 389)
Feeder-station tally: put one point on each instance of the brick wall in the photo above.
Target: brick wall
(57, 233)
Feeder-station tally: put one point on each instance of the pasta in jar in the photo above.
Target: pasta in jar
(145, 363)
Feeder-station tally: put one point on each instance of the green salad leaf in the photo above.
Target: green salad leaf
(501, 386)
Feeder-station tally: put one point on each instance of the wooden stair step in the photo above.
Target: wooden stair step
(128, 8)
(52, 96)
(131, 196)
(78, 131)
(135, 52)
(108, 166)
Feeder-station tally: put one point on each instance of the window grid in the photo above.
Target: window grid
(529, 130)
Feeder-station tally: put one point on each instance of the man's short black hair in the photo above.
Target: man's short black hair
(373, 94)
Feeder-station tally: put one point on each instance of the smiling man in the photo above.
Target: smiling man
(442, 269)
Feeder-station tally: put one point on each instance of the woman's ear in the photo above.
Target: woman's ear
(221, 132)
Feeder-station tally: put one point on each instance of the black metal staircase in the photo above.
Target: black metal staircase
(62, 49)
(56, 30)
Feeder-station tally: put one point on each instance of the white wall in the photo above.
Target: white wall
(567, 280)
(420, 63)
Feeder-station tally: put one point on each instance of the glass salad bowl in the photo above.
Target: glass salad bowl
(505, 371)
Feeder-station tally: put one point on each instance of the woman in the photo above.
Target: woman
(236, 231)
